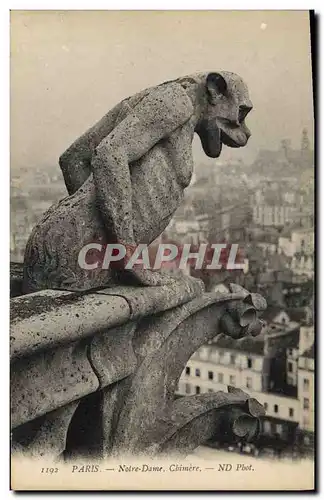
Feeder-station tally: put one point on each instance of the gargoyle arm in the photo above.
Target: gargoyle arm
(159, 113)
(75, 162)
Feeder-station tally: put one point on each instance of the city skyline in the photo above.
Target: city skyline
(68, 68)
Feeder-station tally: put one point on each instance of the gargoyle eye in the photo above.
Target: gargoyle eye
(243, 111)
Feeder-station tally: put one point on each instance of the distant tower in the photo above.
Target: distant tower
(304, 140)
(285, 146)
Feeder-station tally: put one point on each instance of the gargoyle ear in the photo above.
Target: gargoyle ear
(216, 85)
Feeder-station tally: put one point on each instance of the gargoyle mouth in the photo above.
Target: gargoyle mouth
(213, 134)
(228, 141)
(233, 135)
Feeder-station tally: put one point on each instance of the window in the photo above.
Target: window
(210, 375)
(275, 408)
(220, 378)
(267, 427)
(232, 379)
(290, 367)
(291, 412)
(265, 406)
(290, 380)
(310, 364)
(306, 404)
(203, 352)
(225, 358)
(215, 356)
(249, 362)
(306, 384)
(187, 370)
(271, 216)
(197, 389)
(249, 382)
(290, 352)
(188, 388)
(232, 359)
(197, 372)
(279, 429)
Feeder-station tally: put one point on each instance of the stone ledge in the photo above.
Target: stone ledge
(16, 278)
(129, 346)
(65, 345)
(45, 319)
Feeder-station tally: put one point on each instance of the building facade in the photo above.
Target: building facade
(248, 364)
(306, 395)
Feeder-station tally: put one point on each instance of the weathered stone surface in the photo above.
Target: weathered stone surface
(163, 345)
(43, 302)
(144, 301)
(126, 176)
(45, 319)
(16, 279)
(112, 403)
(85, 433)
(241, 318)
(193, 420)
(46, 355)
(49, 380)
(112, 355)
(131, 371)
(48, 318)
(50, 437)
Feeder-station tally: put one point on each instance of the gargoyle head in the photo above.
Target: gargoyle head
(223, 119)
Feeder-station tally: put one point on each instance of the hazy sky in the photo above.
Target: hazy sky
(68, 68)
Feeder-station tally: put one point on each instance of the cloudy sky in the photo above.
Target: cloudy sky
(68, 68)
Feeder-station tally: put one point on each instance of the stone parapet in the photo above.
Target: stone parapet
(102, 367)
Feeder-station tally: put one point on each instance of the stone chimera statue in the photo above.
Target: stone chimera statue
(126, 176)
